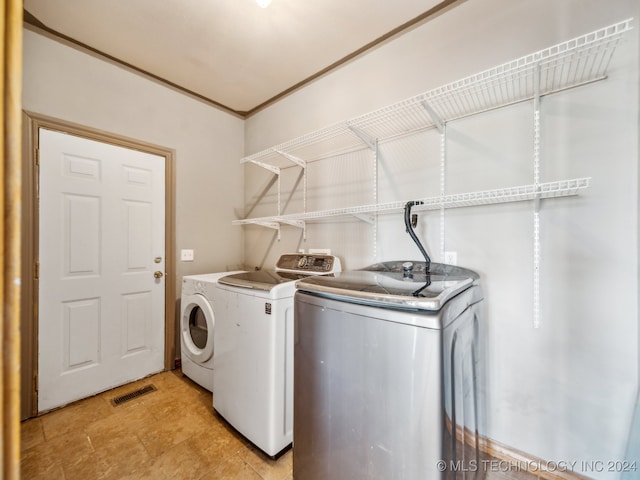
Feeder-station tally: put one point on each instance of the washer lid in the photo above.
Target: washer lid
(403, 285)
(260, 279)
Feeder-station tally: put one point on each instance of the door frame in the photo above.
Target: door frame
(32, 122)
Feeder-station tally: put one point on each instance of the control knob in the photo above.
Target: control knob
(407, 266)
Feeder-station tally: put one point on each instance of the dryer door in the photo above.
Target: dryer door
(197, 327)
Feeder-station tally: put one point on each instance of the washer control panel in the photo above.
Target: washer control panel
(308, 263)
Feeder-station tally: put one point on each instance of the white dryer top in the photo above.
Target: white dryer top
(202, 283)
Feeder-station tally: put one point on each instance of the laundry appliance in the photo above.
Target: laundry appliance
(387, 373)
(253, 381)
(197, 327)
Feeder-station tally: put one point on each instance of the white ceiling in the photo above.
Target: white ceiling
(229, 52)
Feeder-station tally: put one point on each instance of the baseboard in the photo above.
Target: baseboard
(512, 460)
(524, 461)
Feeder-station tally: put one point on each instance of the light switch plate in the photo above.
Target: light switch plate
(186, 255)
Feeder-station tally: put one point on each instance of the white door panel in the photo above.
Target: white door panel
(101, 310)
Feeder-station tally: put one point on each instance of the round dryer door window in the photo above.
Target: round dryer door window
(197, 327)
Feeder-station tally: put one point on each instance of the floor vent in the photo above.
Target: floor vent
(131, 395)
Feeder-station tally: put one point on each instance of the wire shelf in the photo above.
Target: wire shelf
(575, 62)
(566, 65)
(561, 188)
(337, 138)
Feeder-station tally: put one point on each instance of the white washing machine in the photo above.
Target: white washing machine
(253, 384)
(197, 327)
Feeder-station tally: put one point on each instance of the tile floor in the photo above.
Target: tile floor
(170, 434)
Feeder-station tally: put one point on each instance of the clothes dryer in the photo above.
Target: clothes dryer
(197, 326)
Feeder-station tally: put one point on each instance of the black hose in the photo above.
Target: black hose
(414, 237)
(412, 234)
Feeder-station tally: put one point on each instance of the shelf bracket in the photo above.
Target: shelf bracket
(267, 224)
(266, 166)
(291, 158)
(293, 223)
(434, 116)
(296, 223)
(371, 143)
(370, 219)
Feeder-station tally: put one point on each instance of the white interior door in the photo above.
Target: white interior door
(101, 237)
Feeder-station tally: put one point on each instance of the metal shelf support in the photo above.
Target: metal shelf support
(536, 203)
(291, 158)
(437, 121)
(266, 166)
(443, 188)
(268, 224)
(370, 219)
(368, 141)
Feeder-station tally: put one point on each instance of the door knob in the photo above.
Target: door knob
(158, 274)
